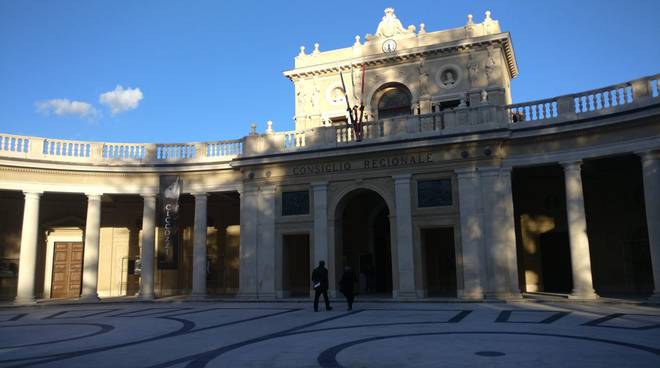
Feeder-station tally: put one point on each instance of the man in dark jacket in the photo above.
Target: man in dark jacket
(320, 280)
(346, 286)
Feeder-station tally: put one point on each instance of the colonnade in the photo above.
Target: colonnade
(488, 236)
(488, 246)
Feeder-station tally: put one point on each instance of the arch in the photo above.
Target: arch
(363, 238)
(391, 100)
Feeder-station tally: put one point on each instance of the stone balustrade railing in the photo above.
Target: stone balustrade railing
(483, 116)
(45, 149)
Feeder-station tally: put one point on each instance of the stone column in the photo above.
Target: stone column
(404, 238)
(651, 173)
(469, 202)
(501, 279)
(91, 257)
(266, 244)
(148, 245)
(248, 240)
(27, 265)
(577, 231)
(199, 246)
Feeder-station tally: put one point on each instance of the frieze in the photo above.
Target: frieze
(336, 167)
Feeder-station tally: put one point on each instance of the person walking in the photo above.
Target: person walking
(320, 280)
(346, 286)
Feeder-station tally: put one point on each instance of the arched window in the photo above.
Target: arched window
(394, 101)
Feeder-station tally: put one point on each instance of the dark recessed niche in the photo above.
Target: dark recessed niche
(295, 203)
(434, 193)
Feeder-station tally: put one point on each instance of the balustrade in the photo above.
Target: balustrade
(66, 148)
(604, 98)
(532, 111)
(601, 101)
(175, 151)
(11, 143)
(118, 151)
(224, 148)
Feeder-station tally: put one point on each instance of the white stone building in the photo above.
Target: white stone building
(447, 188)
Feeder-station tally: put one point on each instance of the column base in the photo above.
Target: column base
(267, 295)
(89, 299)
(197, 297)
(247, 295)
(473, 295)
(502, 296)
(404, 294)
(583, 295)
(655, 297)
(25, 301)
(146, 297)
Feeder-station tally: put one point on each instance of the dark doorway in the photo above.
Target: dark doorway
(439, 261)
(67, 270)
(616, 225)
(544, 260)
(556, 262)
(364, 241)
(296, 264)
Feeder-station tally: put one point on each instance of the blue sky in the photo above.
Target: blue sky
(205, 70)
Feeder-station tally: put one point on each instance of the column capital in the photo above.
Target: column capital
(247, 188)
(319, 185)
(269, 189)
(649, 155)
(94, 196)
(401, 178)
(32, 194)
(199, 195)
(490, 171)
(149, 195)
(571, 165)
(466, 171)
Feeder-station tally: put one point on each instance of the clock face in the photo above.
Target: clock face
(389, 45)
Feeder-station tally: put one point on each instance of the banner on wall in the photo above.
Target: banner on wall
(168, 250)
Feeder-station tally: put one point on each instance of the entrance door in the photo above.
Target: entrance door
(440, 261)
(67, 270)
(296, 264)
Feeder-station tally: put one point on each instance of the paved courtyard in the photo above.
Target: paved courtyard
(213, 334)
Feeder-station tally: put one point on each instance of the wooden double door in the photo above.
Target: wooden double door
(440, 261)
(67, 270)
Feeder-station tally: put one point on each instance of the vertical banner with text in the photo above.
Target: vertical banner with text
(170, 190)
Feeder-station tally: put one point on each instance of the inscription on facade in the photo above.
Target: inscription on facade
(377, 163)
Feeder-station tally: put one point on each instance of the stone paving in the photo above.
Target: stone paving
(214, 334)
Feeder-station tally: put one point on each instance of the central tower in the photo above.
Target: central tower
(404, 70)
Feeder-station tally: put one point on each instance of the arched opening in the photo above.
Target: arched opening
(393, 100)
(363, 241)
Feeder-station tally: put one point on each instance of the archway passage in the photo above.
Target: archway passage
(364, 241)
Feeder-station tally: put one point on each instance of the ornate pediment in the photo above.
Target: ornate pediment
(390, 26)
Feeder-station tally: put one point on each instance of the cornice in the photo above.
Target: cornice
(468, 44)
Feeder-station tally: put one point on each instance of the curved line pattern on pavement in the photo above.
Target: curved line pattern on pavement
(328, 358)
(103, 328)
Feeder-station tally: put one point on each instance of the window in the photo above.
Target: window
(434, 193)
(394, 101)
(295, 203)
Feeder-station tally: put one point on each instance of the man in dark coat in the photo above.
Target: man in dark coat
(346, 286)
(320, 280)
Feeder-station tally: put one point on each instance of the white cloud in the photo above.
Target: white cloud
(63, 106)
(121, 99)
